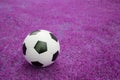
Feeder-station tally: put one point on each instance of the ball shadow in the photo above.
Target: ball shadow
(28, 67)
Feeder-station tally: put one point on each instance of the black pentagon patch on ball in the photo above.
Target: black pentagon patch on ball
(24, 49)
(55, 56)
(41, 47)
(35, 32)
(53, 37)
(36, 63)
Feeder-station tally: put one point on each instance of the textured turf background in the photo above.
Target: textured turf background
(88, 30)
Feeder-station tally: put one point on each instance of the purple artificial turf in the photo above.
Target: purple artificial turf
(88, 31)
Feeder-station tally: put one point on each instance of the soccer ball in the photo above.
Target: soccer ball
(41, 48)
